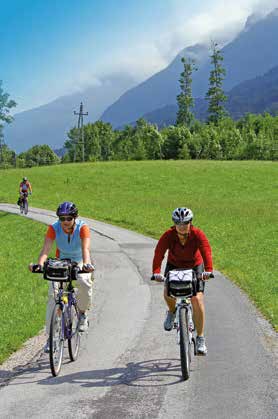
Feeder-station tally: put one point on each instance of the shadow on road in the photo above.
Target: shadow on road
(155, 372)
(25, 373)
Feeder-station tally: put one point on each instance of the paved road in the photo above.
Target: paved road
(129, 366)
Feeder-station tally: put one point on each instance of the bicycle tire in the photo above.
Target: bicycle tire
(184, 344)
(74, 340)
(56, 341)
(25, 206)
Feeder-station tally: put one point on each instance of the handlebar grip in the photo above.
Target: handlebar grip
(39, 271)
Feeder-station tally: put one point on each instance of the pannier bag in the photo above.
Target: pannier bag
(57, 270)
(180, 283)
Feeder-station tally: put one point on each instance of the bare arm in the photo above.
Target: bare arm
(44, 252)
(86, 250)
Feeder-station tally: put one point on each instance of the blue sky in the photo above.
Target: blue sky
(51, 48)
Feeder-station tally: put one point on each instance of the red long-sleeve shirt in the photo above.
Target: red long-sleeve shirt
(195, 251)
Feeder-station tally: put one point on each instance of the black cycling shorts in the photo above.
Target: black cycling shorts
(199, 269)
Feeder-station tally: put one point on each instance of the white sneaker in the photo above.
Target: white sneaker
(169, 321)
(201, 348)
(83, 323)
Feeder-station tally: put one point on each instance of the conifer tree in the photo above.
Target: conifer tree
(215, 94)
(185, 99)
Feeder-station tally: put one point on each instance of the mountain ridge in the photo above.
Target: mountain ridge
(256, 36)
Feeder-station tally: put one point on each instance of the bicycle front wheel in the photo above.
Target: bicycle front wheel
(74, 338)
(25, 207)
(184, 344)
(56, 341)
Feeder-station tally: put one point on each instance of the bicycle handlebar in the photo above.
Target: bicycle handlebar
(199, 276)
(74, 270)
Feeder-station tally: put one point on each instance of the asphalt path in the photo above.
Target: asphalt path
(129, 366)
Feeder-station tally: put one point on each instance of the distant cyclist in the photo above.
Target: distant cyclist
(188, 248)
(25, 186)
(72, 237)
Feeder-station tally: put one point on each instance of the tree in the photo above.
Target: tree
(176, 140)
(215, 94)
(39, 155)
(185, 99)
(5, 105)
(98, 143)
(123, 145)
(148, 141)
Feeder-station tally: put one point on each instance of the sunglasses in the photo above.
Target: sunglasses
(185, 223)
(65, 218)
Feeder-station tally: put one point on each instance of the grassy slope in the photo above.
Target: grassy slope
(235, 203)
(23, 296)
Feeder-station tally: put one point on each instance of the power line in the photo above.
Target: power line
(80, 140)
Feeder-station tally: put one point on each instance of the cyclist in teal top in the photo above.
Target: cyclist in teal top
(72, 239)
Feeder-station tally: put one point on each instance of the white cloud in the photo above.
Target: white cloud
(83, 80)
(220, 21)
(139, 61)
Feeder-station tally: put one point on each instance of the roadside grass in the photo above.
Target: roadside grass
(234, 202)
(23, 295)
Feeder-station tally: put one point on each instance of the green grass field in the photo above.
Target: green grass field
(23, 295)
(235, 203)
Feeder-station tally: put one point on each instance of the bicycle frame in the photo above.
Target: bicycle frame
(65, 306)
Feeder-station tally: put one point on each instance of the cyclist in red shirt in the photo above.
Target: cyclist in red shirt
(188, 248)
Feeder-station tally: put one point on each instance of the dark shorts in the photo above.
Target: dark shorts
(199, 269)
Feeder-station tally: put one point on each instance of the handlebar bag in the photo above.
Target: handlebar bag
(57, 270)
(180, 283)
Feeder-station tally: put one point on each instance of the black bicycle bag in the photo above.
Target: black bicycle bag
(179, 283)
(57, 270)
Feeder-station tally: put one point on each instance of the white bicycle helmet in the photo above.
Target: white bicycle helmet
(182, 215)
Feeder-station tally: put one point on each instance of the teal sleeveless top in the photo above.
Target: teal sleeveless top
(69, 246)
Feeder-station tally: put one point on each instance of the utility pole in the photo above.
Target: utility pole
(80, 140)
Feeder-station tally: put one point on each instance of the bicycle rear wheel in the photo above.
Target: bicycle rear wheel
(184, 344)
(56, 341)
(74, 339)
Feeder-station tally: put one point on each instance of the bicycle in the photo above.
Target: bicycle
(23, 203)
(182, 284)
(65, 316)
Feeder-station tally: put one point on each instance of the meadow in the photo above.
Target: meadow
(235, 203)
(23, 295)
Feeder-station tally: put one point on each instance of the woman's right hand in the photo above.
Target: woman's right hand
(157, 278)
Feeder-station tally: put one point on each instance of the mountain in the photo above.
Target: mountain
(252, 53)
(49, 124)
(155, 92)
(257, 95)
